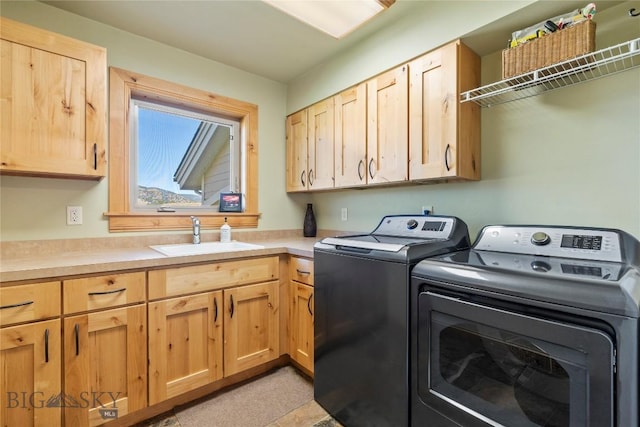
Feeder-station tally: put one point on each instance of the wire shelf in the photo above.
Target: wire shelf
(590, 66)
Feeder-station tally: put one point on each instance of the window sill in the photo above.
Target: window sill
(119, 221)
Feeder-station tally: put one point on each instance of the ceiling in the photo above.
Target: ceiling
(248, 34)
(255, 37)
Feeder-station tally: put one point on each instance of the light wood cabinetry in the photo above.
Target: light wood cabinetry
(105, 356)
(53, 104)
(93, 293)
(126, 343)
(320, 145)
(404, 125)
(310, 148)
(29, 303)
(301, 340)
(350, 168)
(185, 344)
(30, 355)
(444, 135)
(227, 316)
(251, 326)
(297, 152)
(105, 364)
(387, 132)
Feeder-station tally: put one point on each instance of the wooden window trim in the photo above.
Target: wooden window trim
(122, 85)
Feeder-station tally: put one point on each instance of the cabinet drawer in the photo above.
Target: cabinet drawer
(301, 270)
(27, 303)
(93, 293)
(199, 278)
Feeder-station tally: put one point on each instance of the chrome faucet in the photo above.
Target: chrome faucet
(195, 222)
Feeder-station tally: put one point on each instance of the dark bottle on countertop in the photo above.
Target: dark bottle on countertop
(309, 228)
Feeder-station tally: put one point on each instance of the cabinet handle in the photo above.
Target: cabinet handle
(309, 304)
(215, 309)
(302, 178)
(231, 307)
(115, 291)
(360, 165)
(302, 272)
(46, 345)
(310, 177)
(370, 170)
(20, 304)
(447, 152)
(95, 156)
(76, 330)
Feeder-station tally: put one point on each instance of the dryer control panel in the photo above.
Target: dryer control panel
(552, 241)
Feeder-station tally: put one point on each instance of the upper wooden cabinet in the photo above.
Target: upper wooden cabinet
(404, 125)
(350, 166)
(310, 147)
(387, 117)
(320, 145)
(52, 104)
(444, 135)
(297, 152)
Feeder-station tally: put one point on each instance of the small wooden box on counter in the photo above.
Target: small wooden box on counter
(550, 49)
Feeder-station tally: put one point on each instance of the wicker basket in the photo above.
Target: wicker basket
(550, 49)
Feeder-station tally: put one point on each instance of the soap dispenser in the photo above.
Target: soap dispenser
(225, 232)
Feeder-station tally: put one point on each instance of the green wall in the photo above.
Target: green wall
(571, 156)
(35, 208)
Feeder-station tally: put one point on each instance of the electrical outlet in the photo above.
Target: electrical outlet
(427, 210)
(344, 214)
(74, 215)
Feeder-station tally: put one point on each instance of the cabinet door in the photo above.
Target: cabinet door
(185, 344)
(30, 384)
(387, 130)
(444, 137)
(250, 326)
(53, 104)
(105, 364)
(321, 145)
(301, 343)
(297, 152)
(351, 137)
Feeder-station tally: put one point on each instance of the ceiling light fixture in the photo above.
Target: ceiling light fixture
(334, 17)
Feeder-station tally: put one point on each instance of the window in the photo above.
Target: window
(182, 159)
(173, 150)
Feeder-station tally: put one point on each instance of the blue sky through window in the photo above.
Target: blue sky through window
(163, 139)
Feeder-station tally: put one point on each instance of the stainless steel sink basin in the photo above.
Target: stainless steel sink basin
(204, 248)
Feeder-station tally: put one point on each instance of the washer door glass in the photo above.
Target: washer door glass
(508, 369)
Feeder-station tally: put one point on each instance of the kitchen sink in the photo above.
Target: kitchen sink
(184, 249)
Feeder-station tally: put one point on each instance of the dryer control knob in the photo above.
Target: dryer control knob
(540, 238)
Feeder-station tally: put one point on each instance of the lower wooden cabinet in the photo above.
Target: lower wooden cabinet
(301, 324)
(105, 365)
(120, 351)
(185, 344)
(251, 326)
(301, 331)
(30, 381)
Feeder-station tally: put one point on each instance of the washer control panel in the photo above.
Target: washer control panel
(417, 226)
(563, 242)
